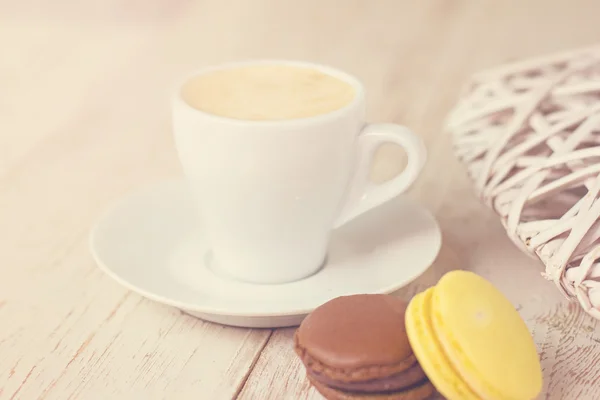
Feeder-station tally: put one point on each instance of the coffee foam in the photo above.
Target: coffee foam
(267, 92)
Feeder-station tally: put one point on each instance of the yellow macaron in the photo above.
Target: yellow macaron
(471, 342)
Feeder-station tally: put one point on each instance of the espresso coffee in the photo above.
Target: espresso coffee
(267, 92)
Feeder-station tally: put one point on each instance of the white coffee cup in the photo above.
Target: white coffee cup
(269, 193)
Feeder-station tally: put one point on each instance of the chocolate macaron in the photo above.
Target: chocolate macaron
(356, 348)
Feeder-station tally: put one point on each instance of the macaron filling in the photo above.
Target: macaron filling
(415, 392)
(405, 380)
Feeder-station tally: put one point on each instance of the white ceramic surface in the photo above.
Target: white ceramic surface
(270, 192)
(151, 242)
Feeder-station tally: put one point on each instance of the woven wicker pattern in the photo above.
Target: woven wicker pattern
(529, 134)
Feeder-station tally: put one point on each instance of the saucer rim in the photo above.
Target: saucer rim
(228, 313)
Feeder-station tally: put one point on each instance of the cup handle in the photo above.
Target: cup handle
(364, 195)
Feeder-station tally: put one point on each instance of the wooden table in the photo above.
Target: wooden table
(84, 118)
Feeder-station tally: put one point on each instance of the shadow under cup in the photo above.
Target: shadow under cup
(269, 192)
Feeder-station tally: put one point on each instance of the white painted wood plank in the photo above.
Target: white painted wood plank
(84, 118)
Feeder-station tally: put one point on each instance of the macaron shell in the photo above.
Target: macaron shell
(484, 338)
(356, 338)
(429, 352)
(420, 392)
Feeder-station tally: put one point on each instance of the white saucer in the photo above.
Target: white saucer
(150, 242)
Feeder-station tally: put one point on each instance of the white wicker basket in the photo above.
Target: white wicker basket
(529, 133)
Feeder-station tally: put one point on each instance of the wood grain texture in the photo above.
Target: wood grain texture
(84, 119)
